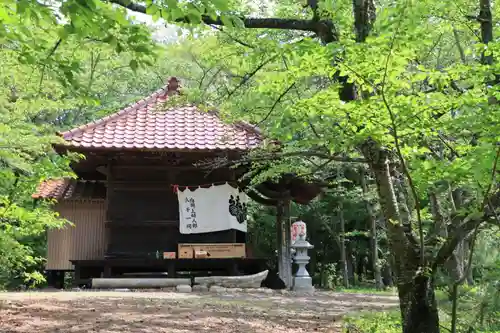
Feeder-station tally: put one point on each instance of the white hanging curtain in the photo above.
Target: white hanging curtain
(216, 208)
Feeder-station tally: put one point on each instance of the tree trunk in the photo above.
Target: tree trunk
(403, 198)
(418, 305)
(387, 272)
(387, 269)
(415, 287)
(453, 265)
(323, 273)
(351, 267)
(373, 233)
(343, 252)
(470, 274)
(456, 198)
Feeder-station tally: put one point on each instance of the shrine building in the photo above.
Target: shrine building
(142, 204)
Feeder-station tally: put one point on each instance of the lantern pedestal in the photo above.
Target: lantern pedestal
(302, 281)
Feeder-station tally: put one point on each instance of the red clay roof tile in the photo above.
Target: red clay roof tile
(65, 188)
(144, 125)
(55, 189)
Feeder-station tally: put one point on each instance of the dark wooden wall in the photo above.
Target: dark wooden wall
(142, 208)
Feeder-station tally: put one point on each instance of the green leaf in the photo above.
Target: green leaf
(22, 6)
(134, 64)
(226, 20)
(142, 49)
(194, 17)
(63, 32)
(221, 5)
(152, 9)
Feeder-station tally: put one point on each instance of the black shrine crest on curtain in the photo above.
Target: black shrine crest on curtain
(238, 209)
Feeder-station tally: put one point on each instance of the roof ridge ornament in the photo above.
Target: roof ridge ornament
(173, 85)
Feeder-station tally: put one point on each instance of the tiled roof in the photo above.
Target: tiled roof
(148, 125)
(54, 189)
(69, 189)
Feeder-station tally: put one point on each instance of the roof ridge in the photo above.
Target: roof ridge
(67, 135)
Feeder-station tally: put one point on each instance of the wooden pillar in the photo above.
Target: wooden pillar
(233, 268)
(279, 239)
(109, 195)
(284, 242)
(77, 276)
(232, 177)
(108, 271)
(60, 279)
(287, 237)
(50, 278)
(171, 269)
(55, 279)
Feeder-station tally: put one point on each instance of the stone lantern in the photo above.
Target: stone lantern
(302, 281)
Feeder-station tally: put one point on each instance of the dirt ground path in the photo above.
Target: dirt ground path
(159, 312)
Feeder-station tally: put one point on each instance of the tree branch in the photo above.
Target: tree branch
(233, 38)
(324, 29)
(260, 199)
(461, 280)
(224, 162)
(248, 76)
(276, 103)
(466, 228)
(336, 158)
(460, 233)
(485, 17)
(459, 46)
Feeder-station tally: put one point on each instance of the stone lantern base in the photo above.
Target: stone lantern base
(302, 284)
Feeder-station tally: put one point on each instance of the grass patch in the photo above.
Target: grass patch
(367, 290)
(390, 322)
(379, 322)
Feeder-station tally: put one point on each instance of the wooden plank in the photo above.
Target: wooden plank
(212, 250)
(185, 251)
(182, 263)
(172, 266)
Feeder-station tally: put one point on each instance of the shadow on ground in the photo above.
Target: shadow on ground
(138, 312)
